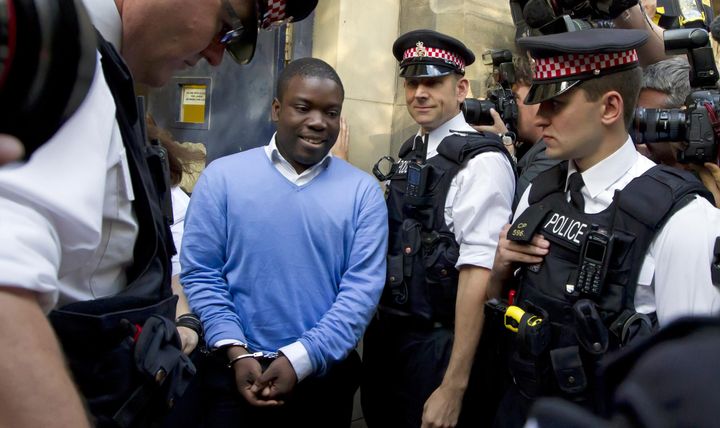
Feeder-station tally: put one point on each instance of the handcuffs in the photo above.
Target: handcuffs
(259, 354)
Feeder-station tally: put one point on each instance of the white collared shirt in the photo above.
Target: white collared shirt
(675, 276)
(180, 202)
(479, 199)
(287, 170)
(105, 16)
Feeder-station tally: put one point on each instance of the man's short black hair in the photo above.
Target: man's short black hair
(307, 67)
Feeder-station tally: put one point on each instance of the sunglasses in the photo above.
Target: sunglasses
(240, 39)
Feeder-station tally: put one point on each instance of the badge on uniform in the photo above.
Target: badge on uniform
(523, 229)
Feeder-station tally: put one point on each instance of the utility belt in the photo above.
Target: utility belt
(392, 318)
(549, 357)
(128, 364)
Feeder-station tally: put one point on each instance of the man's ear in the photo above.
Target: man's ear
(613, 108)
(462, 87)
(275, 110)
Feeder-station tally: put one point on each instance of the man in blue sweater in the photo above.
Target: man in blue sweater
(284, 261)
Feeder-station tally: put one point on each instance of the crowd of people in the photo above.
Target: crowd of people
(500, 269)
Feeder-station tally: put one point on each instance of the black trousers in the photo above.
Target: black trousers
(213, 401)
(513, 410)
(515, 407)
(404, 363)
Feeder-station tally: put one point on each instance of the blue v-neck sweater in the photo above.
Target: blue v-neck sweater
(267, 262)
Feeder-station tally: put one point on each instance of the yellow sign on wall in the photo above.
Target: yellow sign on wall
(192, 103)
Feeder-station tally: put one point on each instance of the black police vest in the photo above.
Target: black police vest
(583, 327)
(98, 335)
(422, 251)
(669, 379)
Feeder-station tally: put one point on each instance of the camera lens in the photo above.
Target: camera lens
(658, 125)
(47, 57)
(477, 112)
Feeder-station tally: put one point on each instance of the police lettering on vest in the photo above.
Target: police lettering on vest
(548, 289)
(564, 227)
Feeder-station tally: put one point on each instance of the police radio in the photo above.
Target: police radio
(418, 170)
(594, 261)
(416, 179)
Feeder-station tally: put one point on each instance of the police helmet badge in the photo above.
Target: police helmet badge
(420, 49)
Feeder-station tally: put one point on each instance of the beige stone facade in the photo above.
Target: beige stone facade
(356, 36)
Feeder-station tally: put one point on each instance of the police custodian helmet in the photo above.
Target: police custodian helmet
(564, 60)
(427, 53)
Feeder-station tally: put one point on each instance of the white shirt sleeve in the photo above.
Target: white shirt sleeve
(299, 359)
(682, 255)
(180, 201)
(51, 207)
(523, 203)
(478, 205)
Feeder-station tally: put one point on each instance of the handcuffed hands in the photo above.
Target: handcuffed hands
(277, 381)
(268, 388)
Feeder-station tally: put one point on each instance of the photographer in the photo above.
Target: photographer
(665, 85)
(535, 17)
(529, 147)
(84, 230)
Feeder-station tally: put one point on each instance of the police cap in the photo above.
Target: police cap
(276, 11)
(427, 53)
(240, 43)
(564, 60)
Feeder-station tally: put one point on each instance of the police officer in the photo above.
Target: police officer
(83, 231)
(609, 245)
(449, 197)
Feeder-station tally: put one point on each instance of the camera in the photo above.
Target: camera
(502, 99)
(538, 17)
(47, 63)
(696, 123)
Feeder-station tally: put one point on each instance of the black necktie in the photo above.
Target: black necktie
(575, 183)
(420, 148)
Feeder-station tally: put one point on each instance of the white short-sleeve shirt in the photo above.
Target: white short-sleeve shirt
(479, 199)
